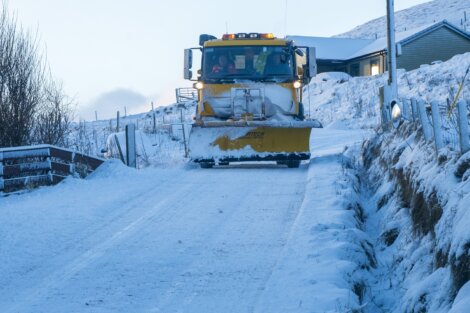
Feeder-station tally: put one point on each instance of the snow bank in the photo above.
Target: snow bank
(419, 214)
(323, 264)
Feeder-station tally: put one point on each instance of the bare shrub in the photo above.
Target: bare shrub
(53, 118)
(32, 107)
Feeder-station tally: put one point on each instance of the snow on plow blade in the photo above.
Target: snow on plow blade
(250, 141)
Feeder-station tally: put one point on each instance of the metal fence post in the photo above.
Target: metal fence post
(414, 109)
(184, 135)
(121, 156)
(130, 145)
(436, 123)
(463, 126)
(117, 122)
(154, 120)
(423, 117)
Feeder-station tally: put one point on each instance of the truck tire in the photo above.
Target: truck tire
(206, 164)
(293, 163)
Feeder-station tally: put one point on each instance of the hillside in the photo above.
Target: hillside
(423, 14)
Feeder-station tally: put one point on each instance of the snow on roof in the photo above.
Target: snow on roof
(401, 38)
(345, 49)
(332, 48)
(380, 44)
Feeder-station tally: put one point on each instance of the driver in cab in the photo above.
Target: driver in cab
(223, 66)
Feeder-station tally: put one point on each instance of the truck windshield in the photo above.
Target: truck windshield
(259, 63)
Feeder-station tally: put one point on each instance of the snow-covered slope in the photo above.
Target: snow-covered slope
(423, 14)
(335, 97)
(418, 214)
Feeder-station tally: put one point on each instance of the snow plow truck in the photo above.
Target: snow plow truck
(250, 104)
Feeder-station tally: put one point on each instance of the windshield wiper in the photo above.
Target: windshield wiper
(220, 80)
(266, 80)
(226, 80)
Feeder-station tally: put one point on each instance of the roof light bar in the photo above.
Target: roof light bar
(228, 36)
(267, 36)
(248, 36)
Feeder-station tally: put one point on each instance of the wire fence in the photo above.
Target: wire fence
(444, 124)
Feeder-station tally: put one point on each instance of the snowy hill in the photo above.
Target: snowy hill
(423, 14)
(334, 97)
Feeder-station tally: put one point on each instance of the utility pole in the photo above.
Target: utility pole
(391, 110)
(392, 50)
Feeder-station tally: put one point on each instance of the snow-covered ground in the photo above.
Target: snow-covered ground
(244, 238)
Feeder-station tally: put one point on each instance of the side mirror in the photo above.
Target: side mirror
(188, 63)
(312, 62)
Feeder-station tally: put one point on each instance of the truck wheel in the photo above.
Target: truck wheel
(206, 164)
(293, 163)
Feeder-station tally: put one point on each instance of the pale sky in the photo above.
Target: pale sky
(107, 50)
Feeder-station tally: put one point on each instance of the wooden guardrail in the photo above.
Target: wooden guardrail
(31, 166)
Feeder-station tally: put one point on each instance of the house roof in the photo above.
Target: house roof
(346, 49)
(328, 48)
(406, 37)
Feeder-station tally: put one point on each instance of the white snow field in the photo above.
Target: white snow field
(243, 238)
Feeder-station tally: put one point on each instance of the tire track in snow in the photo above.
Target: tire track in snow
(32, 295)
(187, 290)
(239, 189)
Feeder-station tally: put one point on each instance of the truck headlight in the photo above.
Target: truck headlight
(199, 85)
(297, 84)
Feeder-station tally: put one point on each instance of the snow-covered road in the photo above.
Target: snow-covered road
(162, 240)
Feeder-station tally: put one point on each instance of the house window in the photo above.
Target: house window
(355, 69)
(374, 67)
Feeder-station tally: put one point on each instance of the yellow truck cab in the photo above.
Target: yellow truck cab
(250, 104)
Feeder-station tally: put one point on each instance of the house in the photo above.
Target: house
(363, 57)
